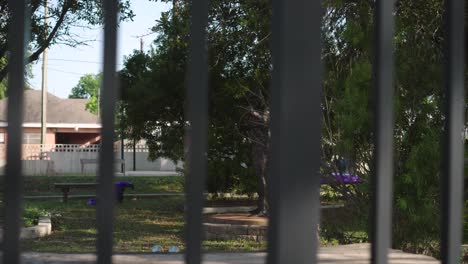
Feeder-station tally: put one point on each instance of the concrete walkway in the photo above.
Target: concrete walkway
(354, 254)
(149, 173)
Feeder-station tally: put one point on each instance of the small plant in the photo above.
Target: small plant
(31, 215)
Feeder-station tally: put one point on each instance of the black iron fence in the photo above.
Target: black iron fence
(296, 99)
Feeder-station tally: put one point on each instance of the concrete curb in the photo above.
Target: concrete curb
(356, 254)
(232, 209)
(246, 209)
(252, 232)
(149, 173)
(42, 229)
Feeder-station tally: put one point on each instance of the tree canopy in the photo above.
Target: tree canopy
(348, 57)
(64, 17)
(88, 87)
(238, 97)
(240, 65)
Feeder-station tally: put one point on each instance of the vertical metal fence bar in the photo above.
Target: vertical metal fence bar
(381, 234)
(197, 114)
(296, 113)
(106, 190)
(453, 152)
(17, 33)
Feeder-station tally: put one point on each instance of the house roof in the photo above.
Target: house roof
(59, 111)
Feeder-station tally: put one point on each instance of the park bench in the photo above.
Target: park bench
(95, 161)
(65, 188)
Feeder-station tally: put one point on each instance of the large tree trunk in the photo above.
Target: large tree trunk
(258, 134)
(259, 158)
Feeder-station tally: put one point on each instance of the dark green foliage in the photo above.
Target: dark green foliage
(64, 16)
(231, 176)
(88, 87)
(343, 226)
(418, 103)
(235, 86)
(239, 71)
(419, 123)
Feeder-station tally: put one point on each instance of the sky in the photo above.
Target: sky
(66, 64)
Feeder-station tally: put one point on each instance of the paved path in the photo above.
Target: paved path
(150, 173)
(353, 254)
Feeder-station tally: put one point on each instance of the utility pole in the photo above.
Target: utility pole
(134, 154)
(44, 83)
(122, 145)
(98, 101)
(141, 44)
(134, 139)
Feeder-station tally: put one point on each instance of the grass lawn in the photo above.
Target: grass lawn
(44, 185)
(139, 224)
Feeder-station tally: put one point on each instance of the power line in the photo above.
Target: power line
(68, 72)
(80, 61)
(141, 39)
(145, 35)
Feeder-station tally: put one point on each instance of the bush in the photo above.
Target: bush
(346, 225)
(229, 176)
(31, 215)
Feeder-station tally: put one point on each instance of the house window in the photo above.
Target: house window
(32, 138)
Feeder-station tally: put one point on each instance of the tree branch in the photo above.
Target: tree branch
(35, 55)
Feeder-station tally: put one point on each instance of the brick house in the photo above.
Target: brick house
(68, 121)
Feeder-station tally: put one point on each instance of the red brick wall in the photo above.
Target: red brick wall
(77, 138)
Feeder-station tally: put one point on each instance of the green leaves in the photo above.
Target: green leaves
(64, 17)
(239, 63)
(353, 33)
(402, 203)
(88, 87)
(347, 106)
(353, 113)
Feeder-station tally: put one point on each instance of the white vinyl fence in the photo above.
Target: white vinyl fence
(65, 159)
